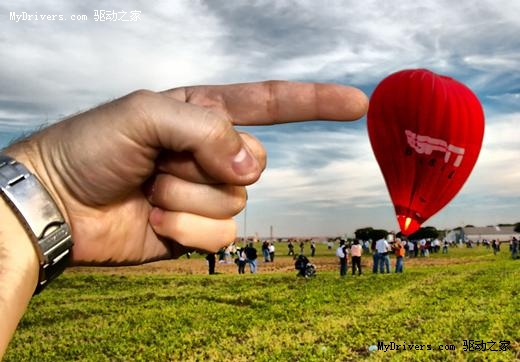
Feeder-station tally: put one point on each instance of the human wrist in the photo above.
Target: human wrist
(19, 267)
(17, 253)
(37, 211)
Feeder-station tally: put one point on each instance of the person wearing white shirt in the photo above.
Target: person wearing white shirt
(383, 248)
(356, 250)
(342, 254)
(272, 250)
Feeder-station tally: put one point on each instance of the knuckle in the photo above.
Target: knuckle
(139, 97)
(218, 129)
(238, 199)
(139, 100)
(165, 187)
(272, 104)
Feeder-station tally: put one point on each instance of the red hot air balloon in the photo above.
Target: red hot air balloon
(426, 131)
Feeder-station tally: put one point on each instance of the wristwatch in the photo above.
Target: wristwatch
(40, 217)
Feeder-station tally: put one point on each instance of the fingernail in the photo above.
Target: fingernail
(244, 163)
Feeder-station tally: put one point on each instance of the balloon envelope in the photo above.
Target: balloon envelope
(426, 132)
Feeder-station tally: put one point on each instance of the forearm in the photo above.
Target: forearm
(18, 273)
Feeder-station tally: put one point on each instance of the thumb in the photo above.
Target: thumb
(207, 134)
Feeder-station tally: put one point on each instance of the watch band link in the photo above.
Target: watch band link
(40, 216)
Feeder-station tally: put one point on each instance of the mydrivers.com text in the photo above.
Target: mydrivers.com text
(97, 15)
(25, 16)
(393, 346)
(468, 345)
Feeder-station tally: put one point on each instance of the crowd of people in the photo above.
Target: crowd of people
(347, 251)
(380, 250)
(241, 256)
(494, 244)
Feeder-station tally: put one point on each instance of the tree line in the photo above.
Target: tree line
(427, 232)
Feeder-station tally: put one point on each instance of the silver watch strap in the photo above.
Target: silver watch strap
(40, 216)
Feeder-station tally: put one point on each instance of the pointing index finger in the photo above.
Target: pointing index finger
(273, 102)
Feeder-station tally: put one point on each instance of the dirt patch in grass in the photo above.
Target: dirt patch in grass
(198, 265)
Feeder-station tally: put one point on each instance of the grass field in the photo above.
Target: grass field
(172, 311)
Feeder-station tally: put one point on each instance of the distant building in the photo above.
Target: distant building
(500, 233)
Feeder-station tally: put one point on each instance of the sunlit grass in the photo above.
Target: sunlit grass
(277, 317)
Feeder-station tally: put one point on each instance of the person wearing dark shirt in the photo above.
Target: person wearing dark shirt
(251, 256)
(211, 263)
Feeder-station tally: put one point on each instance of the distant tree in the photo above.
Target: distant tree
(370, 233)
(428, 232)
(469, 226)
(443, 233)
(517, 227)
(363, 233)
(379, 234)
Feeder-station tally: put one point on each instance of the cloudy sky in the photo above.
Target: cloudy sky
(322, 178)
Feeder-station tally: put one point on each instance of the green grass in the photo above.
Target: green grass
(277, 317)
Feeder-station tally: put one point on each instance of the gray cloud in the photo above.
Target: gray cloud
(61, 67)
(362, 42)
(279, 30)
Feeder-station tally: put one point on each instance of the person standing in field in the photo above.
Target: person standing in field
(496, 246)
(356, 250)
(272, 250)
(422, 247)
(399, 255)
(366, 246)
(251, 256)
(436, 245)
(375, 256)
(445, 247)
(313, 248)
(265, 251)
(211, 263)
(410, 246)
(290, 248)
(241, 261)
(342, 254)
(384, 260)
(514, 248)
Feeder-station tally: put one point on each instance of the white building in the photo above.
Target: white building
(500, 233)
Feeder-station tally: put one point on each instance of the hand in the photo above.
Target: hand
(148, 175)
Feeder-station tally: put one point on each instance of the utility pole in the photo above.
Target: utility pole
(244, 242)
(245, 226)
